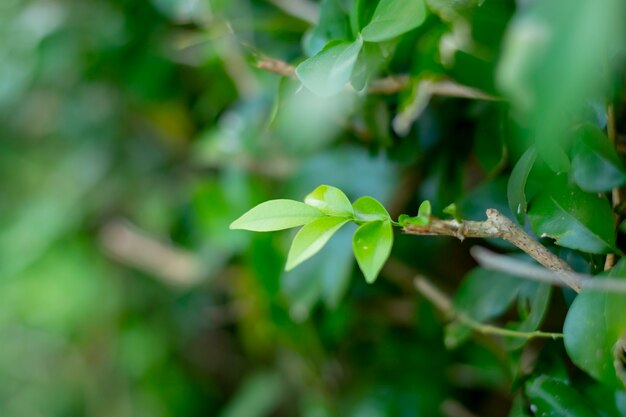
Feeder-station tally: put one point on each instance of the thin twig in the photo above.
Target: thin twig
(131, 246)
(444, 304)
(388, 85)
(499, 226)
(616, 197)
(502, 263)
(276, 66)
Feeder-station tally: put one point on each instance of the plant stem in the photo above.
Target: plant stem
(616, 197)
(443, 303)
(387, 85)
(499, 226)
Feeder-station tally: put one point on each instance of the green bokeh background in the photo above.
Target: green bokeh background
(133, 132)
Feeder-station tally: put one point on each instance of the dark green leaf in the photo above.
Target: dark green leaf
(483, 295)
(393, 18)
(258, 395)
(330, 200)
(311, 238)
(328, 72)
(333, 24)
(533, 303)
(516, 188)
(576, 219)
(519, 408)
(372, 244)
(550, 397)
(595, 332)
(596, 167)
(276, 215)
(368, 209)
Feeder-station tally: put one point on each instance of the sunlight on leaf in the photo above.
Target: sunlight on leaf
(276, 215)
(372, 244)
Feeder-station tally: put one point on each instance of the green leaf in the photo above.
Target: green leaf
(552, 397)
(425, 210)
(331, 201)
(596, 167)
(332, 24)
(518, 408)
(516, 187)
(258, 395)
(369, 209)
(483, 295)
(328, 72)
(422, 218)
(276, 215)
(533, 303)
(549, 66)
(393, 18)
(594, 328)
(369, 62)
(453, 211)
(405, 220)
(372, 244)
(311, 238)
(576, 219)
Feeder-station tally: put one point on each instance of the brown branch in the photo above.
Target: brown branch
(387, 85)
(616, 193)
(399, 273)
(131, 246)
(509, 265)
(499, 226)
(276, 66)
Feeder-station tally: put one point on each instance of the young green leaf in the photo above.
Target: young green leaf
(393, 18)
(331, 201)
(423, 216)
(311, 238)
(594, 330)
(576, 219)
(552, 397)
(328, 72)
(516, 188)
(425, 210)
(453, 211)
(596, 167)
(369, 209)
(276, 215)
(372, 244)
(405, 220)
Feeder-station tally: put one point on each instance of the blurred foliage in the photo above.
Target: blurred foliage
(134, 133)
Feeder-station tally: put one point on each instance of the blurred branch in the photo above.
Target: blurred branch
(131, 246)
(398, 272)
(276, 66)
(452, 408)
(444, 304)
(616, 193)
(230, 51)
(512, 266)
(302, 9)
(499, 226)
(387, 85)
